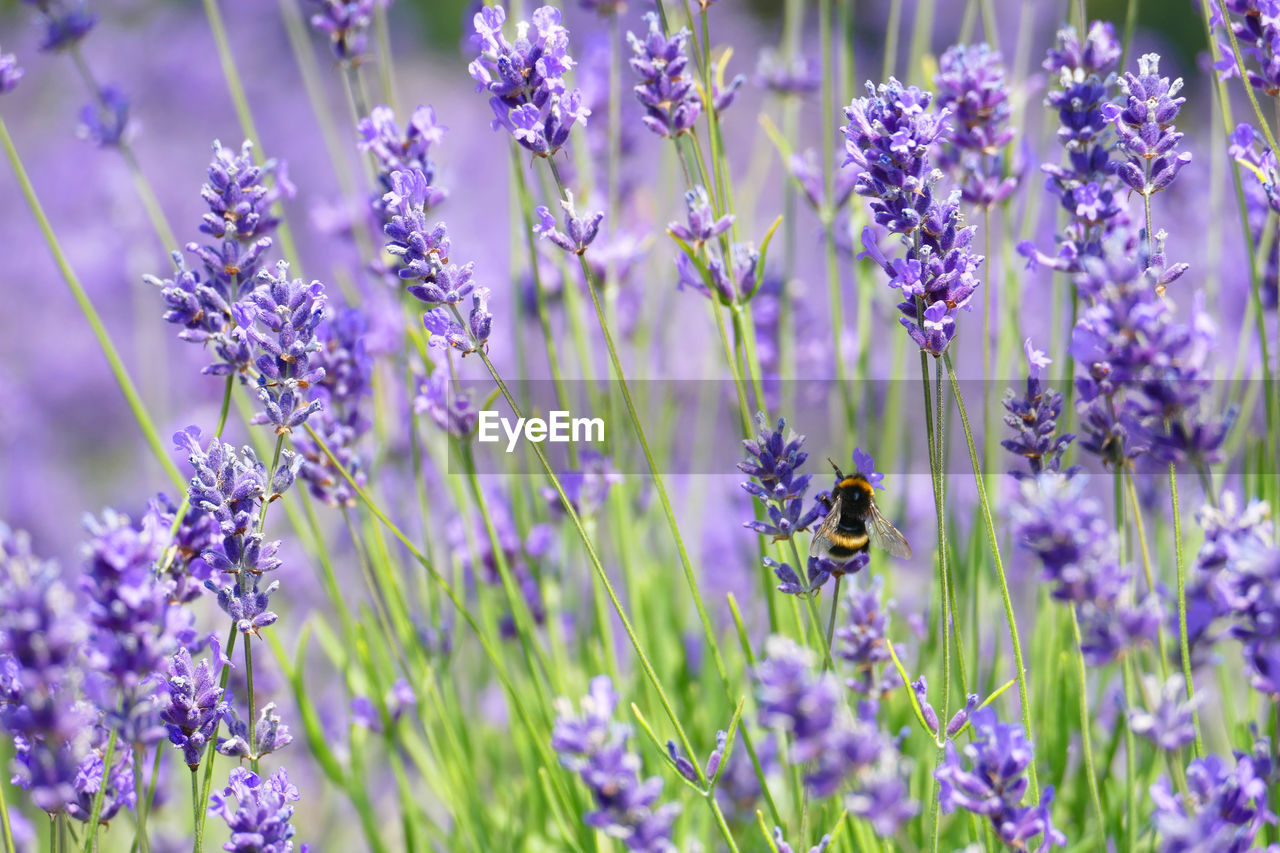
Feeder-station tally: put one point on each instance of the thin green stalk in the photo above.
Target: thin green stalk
(231, 72)
(4, 820)
(1004, 583)
(141, 805)
(1184, 643)
(1146, 565)
(91, 830)
(1132, 788)
(835, 605)
(210, 753)
(1086, 738)
(130, 392)
(835, 297)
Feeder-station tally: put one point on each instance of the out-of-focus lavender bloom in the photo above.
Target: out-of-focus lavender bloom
(134, 624)
(1064, 528)
(603, 8)
(1086, 185)
(888, 139)
(594, 745)
(702, 222)
(1145, 128)
(1257, 31)
(972, 90)
(1171, 725)
(920, 687)
(270, 734)
(990, 781)
(525, 78)
(10, 73)
(793, 697)
(579, 231)
(346, 22)
(587, 488)
(1033, 417)
(120, 792)
(774, 459)
(104, 121)
(723, 96)
(342, 419)
(685, 767)
(289, 311)
(805, 170)
(801, 76)
(1227, 810)
(667, 93)
(1142, 374)
(42, 631)
(397, 150)
(257, 811)
(452, 410)
(727, 285)
(194, 705)
(65, 23)
(861, 639)
(1262, 196)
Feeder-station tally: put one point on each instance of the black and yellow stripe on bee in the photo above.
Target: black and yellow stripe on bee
(850, 542)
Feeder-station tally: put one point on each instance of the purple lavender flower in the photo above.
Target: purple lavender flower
(397, 150)
(104, 121)
(702, 222)
(801, 76)
(773, 464)
(42, 631)
(1171, 725)
(861, 639)
(807, 173)
(1256, 31)
(1227, 810)
(346, 22)
(587, 487)
(65, 23)
(594, 745)
(994, 781)
(783, 847)
(288, 312)
(342, 419)
(1033, 418)
(232, 487)
(89, 780)
(525, 79)
(194, 705)
(735, 282)
(581, 230)
(452, 410)
(1145, 128)
(270, 734)
(666, 91)
(1261, 197)
(10, 73)
(134, 625)
(972, 91)
(1086, 185)
(260, 817)
(183, 564)
(888, 139)
(793, 697)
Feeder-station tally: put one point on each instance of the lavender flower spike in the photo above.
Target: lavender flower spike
(581, 229)
(668, 95)
(346, 22)
(257, 811)
(1033, 418)
(972, 88)
(1145, 128)
(195, 705)
(288, 312)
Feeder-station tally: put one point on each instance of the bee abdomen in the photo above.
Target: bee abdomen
(844, 545)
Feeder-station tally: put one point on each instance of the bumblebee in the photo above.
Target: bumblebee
(854, 523)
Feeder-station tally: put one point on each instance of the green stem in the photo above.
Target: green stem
(210, 752)
(4, 819)
(91, 831)
(1184, 643)
(142, 841)
(1004, 583)
(1086, 738)
(91, 314)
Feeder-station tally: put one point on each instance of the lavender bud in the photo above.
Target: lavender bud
(961, 717)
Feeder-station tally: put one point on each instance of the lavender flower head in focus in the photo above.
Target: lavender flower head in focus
(666, 91)
(1145, 128)
(525, 78)
(257, 811)
(1033, 417)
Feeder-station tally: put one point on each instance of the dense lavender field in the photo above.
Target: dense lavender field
(300, 294)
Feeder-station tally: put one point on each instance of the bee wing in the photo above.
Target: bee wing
(821, 543)
(885, 536)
